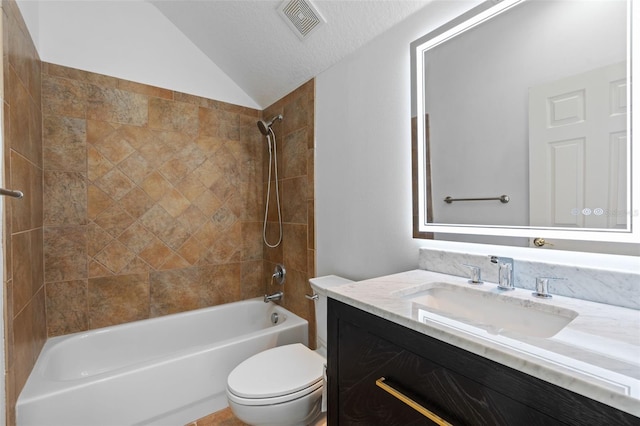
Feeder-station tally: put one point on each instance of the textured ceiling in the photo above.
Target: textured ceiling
(253, 45)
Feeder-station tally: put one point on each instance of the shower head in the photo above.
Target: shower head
(264, 126)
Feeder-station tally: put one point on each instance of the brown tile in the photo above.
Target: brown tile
(251, 241)
(227, 247)
(118, 299)
(98, 270)
(208, 203)
(294, 154)
(135, 167)
(297, 113)
(253, 202)
(66, 307)
(192, 219)
(136, 202)
(163, 147)
(165, 227)
(99, 130)
(61, 96)
(311, 225)
(116, 106)
(208, 234)
(155, 253)
(295, 246)
(311, 174)
(64, 143)
(28, 276)
(294, 200)
(97, 164)
(209, 144)
(207, 173)
(114, 146)
(220, 284)
(184, 162)
(115, 184)
(30, 333)
(273, 254)
(115, 256)
(174, 203)
(174, 261)
(97, 239)
(192, 250)
(76, 74)
(136, 237)
(65, 198)
(221, 124)
(190, 187)
(97, 201)
(114, 220)
(295, 287)
(145, 89)
(26, 177)
(224, 217)
(156, 186)
(251, 284)
(175, 291)
(65, 253)
(137, 266)
(173, 116)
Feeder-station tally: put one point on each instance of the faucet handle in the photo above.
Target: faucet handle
(542, 287)
(475, 274)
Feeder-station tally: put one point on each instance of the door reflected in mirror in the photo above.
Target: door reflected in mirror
(528, 99)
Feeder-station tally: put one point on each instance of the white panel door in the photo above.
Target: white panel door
(578, 150)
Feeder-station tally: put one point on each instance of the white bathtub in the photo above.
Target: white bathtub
(163, 371)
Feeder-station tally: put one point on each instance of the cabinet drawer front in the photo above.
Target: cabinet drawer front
(461, 387)
(452, 397)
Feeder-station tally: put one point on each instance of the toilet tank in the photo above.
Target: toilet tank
(319, 286)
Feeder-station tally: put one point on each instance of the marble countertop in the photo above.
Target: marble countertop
(596, 355)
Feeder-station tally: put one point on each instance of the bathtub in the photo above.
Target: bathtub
(169, 370)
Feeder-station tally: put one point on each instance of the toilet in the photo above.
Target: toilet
(284, 385)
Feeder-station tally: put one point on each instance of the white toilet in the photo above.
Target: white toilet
(283, 385)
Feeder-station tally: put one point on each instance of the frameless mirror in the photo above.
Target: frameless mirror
(522, 124)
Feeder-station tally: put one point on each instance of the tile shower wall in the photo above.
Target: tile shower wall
(24, 294)
(295, 146)
(152, 201)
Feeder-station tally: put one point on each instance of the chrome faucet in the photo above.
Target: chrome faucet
(542, 287)
(475, 274)
(505, 272)
(275, 296)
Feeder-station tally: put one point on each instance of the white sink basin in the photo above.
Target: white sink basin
(492, 311)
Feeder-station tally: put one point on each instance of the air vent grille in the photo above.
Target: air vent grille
(302, 16)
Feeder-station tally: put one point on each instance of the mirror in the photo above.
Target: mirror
(521, 111)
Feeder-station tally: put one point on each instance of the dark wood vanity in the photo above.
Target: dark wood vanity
(367, 353)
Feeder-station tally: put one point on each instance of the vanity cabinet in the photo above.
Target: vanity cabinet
(367, 353)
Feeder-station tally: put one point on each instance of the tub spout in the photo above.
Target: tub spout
(275, 296)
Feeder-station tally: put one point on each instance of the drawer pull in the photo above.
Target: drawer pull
(411, 403)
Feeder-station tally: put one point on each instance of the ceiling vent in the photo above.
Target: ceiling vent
(302, 16)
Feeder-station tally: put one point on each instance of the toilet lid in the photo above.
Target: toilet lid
(275, 372)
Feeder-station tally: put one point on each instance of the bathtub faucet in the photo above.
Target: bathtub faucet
(275, 296)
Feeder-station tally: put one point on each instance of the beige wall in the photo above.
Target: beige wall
(24, 293)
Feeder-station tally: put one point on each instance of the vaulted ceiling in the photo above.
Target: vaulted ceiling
(245, 46)
(252, 44)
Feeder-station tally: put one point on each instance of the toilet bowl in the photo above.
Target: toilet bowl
(283, 385)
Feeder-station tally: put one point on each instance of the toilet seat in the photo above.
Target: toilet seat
(276, 375)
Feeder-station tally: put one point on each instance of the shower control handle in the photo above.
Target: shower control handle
(279, 274)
